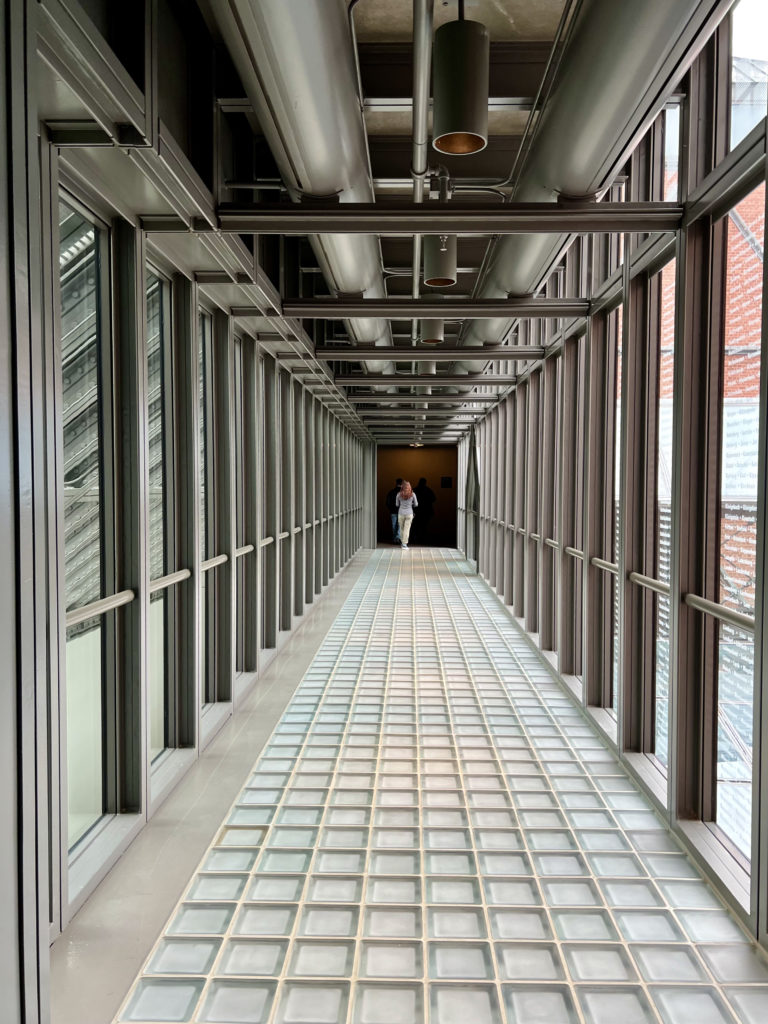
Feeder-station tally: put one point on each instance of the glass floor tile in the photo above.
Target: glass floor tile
(433, 834)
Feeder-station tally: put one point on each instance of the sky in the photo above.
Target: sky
(750, 29)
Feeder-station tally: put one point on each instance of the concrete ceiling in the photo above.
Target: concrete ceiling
(510, 121)
(506, 20)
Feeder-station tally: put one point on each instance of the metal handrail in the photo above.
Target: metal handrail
(574, 552)
(649, 583)
(600, 563)
(283, 534)
(719, 611)
(211, 563)
(552, 543)
(535, 536)
(246, 549)
(96, 608)
(265, 541)
(163, 582)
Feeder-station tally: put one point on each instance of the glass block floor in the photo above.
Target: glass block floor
(434, 833)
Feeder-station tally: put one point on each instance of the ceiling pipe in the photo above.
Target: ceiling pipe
(620, 63)
(299, 72)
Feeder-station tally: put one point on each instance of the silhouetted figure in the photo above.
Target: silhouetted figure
(391, 504)
(427, 498)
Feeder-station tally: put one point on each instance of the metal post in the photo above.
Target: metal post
(225, 575)
(133, 498)
(187, 502)
(285, 438)
(299, 498)
(270, 448)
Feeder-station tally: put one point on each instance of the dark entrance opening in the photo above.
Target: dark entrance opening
(435, 521)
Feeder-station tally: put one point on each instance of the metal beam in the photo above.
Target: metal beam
(470, 380)
(421, 415)
(448, 218)
(354, 353)
(461, 400)
(444, 309)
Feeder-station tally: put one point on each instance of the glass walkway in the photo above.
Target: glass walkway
(435, 833)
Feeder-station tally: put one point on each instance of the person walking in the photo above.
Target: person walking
(389, 501)
(406, 502)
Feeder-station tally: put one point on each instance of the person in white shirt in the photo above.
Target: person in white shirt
(406, 502)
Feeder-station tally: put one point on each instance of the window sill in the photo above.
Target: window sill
(90, 864)
(167, 774)
(212, 718)
(651, 777)
(727, 875)
(606, 723)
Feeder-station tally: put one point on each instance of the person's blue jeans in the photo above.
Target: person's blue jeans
(395, 526)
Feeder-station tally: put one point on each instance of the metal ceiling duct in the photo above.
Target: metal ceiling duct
(297, 65)
(621, 62)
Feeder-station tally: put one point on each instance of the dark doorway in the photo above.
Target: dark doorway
(438, 466)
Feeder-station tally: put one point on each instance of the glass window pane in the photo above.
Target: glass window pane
(615, 329)
(615, 675)
(240, 617)
(208, 637)
(81, 408)
(156, 383)
(614, 338)
(661, 679)
(85, 744)
(665, 281)
(735, 687)
(749, 67)
(239, 444)
(663, 526)
(671, 153)
(741, 402)
(578, 583)
(264, 440)
(738, 509)
(158, 726)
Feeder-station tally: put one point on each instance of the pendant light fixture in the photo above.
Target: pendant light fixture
(460, 58)
(440, 261)
(432, 332)
(440, 250)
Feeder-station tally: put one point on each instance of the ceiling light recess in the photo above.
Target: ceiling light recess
(460, 58)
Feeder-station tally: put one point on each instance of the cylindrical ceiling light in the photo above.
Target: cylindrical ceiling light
(440, 261)
(460, 58)
(432, 332)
